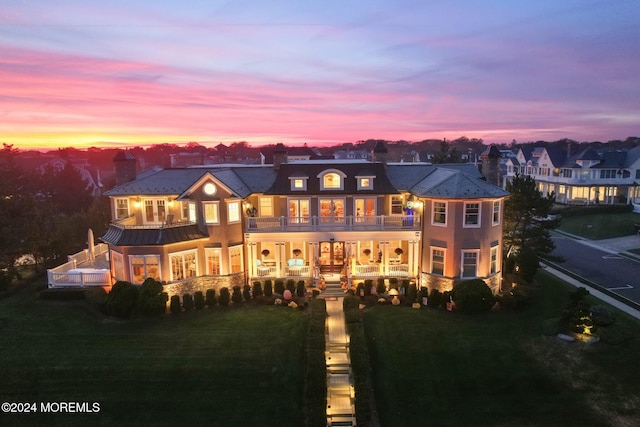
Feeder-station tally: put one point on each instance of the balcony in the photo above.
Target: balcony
(83, 269)
(335, 223)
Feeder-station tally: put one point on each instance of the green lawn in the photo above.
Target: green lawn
(603, 226)
(220, 367)
(433, 367)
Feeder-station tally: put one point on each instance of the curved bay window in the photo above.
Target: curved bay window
(183, 265)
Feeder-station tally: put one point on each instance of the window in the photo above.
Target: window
(439, 213)
(122, 208)
(184, 210)
(192, 212)
(469, 263)
(472, 214)
(331, 181)
(607, 173)
(298, 184)
(493, 268)
(183, 265)
(211, 212)
(365, 182)
(364, 207)
(117, 266)
(143, 266)
(496, 212)
(299, 211)
(233, 212)
(437, 261)
(235, 259)
(396, 205)
(154, 211)
(331, 210)
(213, 256)
(266, 206)
(566, 173)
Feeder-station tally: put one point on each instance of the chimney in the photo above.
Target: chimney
(380, 153)
(279, 156)
(491, 165)
(124, 164)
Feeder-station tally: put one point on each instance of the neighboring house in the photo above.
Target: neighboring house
(230, 225)
(41, 162)
(587, 177)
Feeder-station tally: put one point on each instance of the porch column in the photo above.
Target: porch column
(279, 258)
(253, 247)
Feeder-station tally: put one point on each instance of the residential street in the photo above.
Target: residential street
(601, 263)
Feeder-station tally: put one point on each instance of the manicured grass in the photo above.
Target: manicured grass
(433, 367)
(219, 367)
(602, 226)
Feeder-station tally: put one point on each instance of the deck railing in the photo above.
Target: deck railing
(72, 274)
(318, 223)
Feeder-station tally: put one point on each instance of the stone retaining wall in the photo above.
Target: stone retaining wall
(191, 286)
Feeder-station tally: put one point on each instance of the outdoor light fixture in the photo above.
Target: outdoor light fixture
(209, 189)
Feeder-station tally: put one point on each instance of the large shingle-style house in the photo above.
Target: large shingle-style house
(587, 177)
(233, 224)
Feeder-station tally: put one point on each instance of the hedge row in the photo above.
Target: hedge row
(316, 369)
(360, 363)
(571, 211)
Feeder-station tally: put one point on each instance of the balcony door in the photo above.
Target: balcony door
(331, 256)
(155, 211)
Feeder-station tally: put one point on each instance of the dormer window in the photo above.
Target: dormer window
(298, 183)
(365, 182)
(332, 180)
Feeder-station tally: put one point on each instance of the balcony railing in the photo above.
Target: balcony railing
(81, 270)
(334, 223)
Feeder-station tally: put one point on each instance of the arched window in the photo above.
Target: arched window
(332, 180)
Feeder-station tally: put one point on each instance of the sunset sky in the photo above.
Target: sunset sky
(122, 73)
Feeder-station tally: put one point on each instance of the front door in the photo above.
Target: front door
(154, 211)
(331, 256)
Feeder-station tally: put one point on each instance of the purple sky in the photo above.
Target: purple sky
(86, 73)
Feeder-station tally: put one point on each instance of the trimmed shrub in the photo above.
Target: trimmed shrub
(368, 285)
(393, 283)
(224, 297)
(600, 315)
(97, 297)
(404, 287)
(278, 287)
(473, 296)
(198, 300)
(151, 300)
(246, 292)
(122, 300)
(268, 288)
(187, 302)
(174, 306)
(301, 289)
(257, 289)
(291, 285)
(360, 289)
(435, 298)
(412, 293)
(236, 295)
(210, 297)
(381, 288)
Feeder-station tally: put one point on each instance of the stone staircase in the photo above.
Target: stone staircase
(334, 289)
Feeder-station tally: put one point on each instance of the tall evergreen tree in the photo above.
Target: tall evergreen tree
(526, 223)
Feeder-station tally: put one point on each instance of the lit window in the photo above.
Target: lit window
(331, 180)
(266, 206)
(437, 261)
(396, 205)
(211, 212)
(235, 259)
(144, 266)
(472, 214)
(117, 266)
(183, 265)
(439, 213)
(233, 212)
(298, 184)
(469, 263)
(365, 182)
(213, 261)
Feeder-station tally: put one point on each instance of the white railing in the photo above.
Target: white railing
(371, 270)
(401, 270)
(376, 270)
(297, 271)
(69, 274)
(351, 223)
(79, 277)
